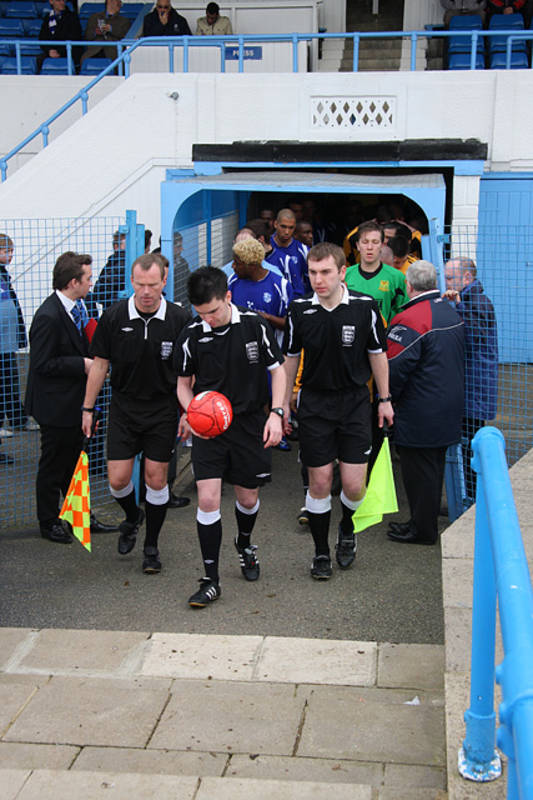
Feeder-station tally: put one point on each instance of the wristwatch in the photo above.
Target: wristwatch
(279, 411)
(385, 399)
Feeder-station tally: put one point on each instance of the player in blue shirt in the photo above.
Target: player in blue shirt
(288, 254)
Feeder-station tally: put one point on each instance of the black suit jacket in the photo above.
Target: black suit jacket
(56, 379)
(68, 28)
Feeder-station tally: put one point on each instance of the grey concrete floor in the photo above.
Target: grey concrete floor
(393, 592)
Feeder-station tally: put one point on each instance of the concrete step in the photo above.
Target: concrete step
(82, 710)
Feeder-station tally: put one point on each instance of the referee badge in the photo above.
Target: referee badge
(252, 352)
(166, 350)
(348, 335)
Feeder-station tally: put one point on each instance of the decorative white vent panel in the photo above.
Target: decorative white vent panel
(376, 112)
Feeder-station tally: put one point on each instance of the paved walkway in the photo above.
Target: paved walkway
(88, 714)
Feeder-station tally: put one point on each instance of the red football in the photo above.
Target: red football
(209, 414)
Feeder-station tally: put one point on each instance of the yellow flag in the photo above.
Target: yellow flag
(380, 497)
(77, 504)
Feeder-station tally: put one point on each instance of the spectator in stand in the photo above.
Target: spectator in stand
(213, 24)
(112, 281)
(481, 356)
(165, 21)
(426, 362)
(61, 24)
(289, 255)
(455, 8)
(12, 338)
(106, 26)
(506, 7)
(304, 233)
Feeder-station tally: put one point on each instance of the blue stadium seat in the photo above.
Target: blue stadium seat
(466, 22)
(130, 10)
(24, 9)
(32, 28)
(54, 66)
(88, 9)
(507, 22)
(42, 7)
(519, 60)
(6, 49)
(462, 61)
(11, 28)
(28, 66)
(94, 66)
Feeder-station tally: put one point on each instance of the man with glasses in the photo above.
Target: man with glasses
(165, 21)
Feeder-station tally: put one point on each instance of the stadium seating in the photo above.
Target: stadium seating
(54, 66)
(462, 44)
(11, 28)
(462, 61)
(20, 10)
(519, 60)
(498, 44)
(8, 66)
(94, 66)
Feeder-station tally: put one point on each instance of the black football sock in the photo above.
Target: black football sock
(319, 525)
(128, 503)
(156, 509)
(245, 523)
(210, 536)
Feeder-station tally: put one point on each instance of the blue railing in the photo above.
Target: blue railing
(500, 574)
(126, 48)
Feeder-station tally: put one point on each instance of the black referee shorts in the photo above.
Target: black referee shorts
(334, 425)
(142, 426)
(238, 455)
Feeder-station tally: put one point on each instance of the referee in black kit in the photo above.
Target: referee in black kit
(137, 338)
(343, 339)
(229, 350)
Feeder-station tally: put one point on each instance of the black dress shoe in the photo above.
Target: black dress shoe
(399, 527)
(56, 533)
(100, 527)
(407, 538)
(175, 501)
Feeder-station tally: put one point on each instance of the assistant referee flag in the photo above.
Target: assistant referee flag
(77, 504)
(380, 497)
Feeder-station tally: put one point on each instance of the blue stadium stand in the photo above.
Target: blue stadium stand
(94, 66)
(54, 66)
(462, 61)
(8, 66)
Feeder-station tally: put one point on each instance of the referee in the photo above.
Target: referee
(137, 337)
(229, 350)
(344, 342)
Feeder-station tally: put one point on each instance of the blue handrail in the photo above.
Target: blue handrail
(500, 572)
(126, 47)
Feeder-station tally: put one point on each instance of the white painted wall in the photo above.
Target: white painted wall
(115, 157)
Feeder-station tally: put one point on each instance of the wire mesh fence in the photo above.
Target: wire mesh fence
(491, 269)
(29, 249)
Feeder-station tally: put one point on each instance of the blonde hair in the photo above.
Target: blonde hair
(249, 251)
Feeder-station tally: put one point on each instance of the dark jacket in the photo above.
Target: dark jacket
(481, 352)
(21, 328)
(111, 281)
(68, 28)
(56, 378)
(426, 361)
(176, 25)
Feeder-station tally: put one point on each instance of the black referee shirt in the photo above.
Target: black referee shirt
(232, 359)
(336, 343)
(141, 352)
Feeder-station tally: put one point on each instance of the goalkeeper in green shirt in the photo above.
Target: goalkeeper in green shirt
(381, 281)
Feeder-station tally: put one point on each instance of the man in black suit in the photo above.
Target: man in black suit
(59, 365)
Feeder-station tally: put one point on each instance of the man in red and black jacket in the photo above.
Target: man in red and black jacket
(426, 363)
(506, 7)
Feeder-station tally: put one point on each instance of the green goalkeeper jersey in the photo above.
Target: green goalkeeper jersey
(386, 285)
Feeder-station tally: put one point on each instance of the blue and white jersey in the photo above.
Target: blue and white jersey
(292, 261)
(272, 294)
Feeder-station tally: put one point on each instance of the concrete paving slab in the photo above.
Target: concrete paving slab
(10, 640)
(243, 717)
(411, 666)
(14, 696)
(403, 777)
(19, 755)
(11, 782)
(56, 785)
(457, 541)
(184, 655)
(322, 770)
(158, 762)
(364, 724)
(81, 651)
(457, 576)
(244, 789)
(393, 793)
(98, 712)
(317, 661)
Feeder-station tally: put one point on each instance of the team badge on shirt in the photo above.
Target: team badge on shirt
(348, 335)
(252, 352)
(166, 350)
(384, 286)
(267, 297)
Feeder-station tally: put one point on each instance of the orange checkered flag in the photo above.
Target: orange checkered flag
(77, 504)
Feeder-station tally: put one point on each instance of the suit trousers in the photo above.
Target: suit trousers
(60, 448)
(422, 475)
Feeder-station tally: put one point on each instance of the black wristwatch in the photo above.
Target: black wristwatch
(89, 410)
(385, 399)
(279, 411)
